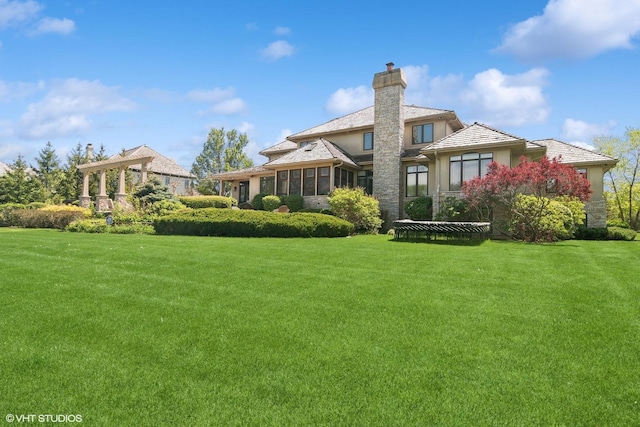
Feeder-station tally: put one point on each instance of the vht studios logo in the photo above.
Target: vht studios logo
(43, 418)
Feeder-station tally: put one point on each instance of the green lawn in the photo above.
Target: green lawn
(139, 330)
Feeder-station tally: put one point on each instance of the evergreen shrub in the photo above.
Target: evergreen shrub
(294, 202)
(257, 201)
(420, 209)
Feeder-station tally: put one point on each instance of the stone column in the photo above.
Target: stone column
(121, 195)
(388, 132)
(103, 197)
(143, 173)
(85, 199)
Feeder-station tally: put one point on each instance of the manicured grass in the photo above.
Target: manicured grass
(139, 330)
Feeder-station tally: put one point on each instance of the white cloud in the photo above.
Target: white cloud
(278, 49)
(18, 90)
(574, 29)
(507, 100)
(67, 108)
(54, 25)
(229, 107)
(577, 132)
(348, 100)
(282, 31)
(213, 95)
(16, 12)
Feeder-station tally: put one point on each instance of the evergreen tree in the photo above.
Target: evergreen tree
(70, 186)
(20, 185)
(49, 172)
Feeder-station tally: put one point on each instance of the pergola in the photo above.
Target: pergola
(103, 203)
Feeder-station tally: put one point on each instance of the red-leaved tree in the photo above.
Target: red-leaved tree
(545, 179)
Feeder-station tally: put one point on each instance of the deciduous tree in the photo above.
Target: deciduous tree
(622, 180)
(545, 180)
(222, 152)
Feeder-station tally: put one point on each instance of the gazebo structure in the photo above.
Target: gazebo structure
(103, 202)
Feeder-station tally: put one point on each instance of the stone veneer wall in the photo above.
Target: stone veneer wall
(388, 133)
(596, 213)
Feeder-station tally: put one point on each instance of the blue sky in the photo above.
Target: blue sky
(125, 73)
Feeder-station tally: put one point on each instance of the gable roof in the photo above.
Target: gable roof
(477, 135)
(365, 118)
(316, 151)
(285, 145)
(161, 164)
(573, 154)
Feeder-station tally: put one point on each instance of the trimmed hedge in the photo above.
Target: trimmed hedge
(42, 218)
(100, 226)
(585, 233)
(294, 202)
(246, 223)
(202, 202)
(420, 209)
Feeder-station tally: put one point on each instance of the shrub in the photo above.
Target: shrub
(6, 213)
(36, 205)
(420, 209)
(202, 202)
(294, 202)
(585, 233)
(618, 233)
(357, 207)
(246, 223)
(257, 201)
(41, 218)
(454, 209)
(271, 202)
(100, 225)
(538, 219)
(164, 207)
(617, 223)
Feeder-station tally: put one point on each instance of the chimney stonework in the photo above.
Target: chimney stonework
(388, 132)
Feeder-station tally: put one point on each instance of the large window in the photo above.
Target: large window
(365, 180)
(342, 178)
(283, 182)
(267, 184)
(295, 181)
(309, 183)
(367, 141)
(422, 134)
(417, 181)
(324, 180)
(463, 168)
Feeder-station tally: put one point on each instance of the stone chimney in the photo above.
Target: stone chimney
(89, 152)
(388, 132)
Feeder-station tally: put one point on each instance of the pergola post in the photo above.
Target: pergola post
(85, 199)
(121, 195)
(143, 173)
(103, 197)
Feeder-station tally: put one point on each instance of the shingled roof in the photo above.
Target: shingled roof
(477, 135)
(160, 165)
(316, 151)
(364, 118)
(279, 147)
(572, 154)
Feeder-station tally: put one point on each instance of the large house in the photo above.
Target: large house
(398, 152)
